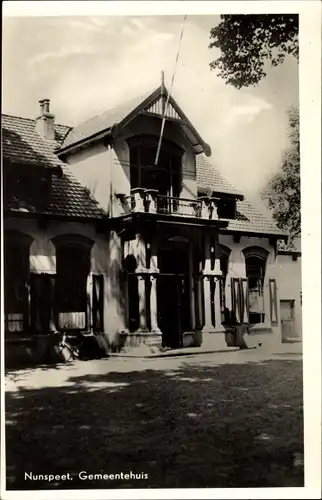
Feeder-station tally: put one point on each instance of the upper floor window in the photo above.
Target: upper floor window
(26, 187)
(226, 208)
(255, 262)
(166, 175)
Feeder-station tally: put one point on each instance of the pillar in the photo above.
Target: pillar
(153, 306)
(143, 328)
(141, 270)
(208, 275)
(217, 306)
(154, 270)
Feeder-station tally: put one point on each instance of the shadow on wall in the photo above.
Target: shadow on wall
(164, 421)
(114, 295)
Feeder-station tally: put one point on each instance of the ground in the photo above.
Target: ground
(209, 420)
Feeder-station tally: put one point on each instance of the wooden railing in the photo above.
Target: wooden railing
(150, 201)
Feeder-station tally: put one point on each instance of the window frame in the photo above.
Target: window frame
(261, 255)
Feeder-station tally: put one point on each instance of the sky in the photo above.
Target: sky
(86, 65)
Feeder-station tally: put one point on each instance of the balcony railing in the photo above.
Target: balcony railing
(150, 201)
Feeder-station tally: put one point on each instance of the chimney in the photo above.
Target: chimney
(45, 123)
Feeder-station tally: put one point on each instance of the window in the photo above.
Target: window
(16, 274)
(255, 261)
(26, 187)
(164, 177)
(72, 268)
(226, 209)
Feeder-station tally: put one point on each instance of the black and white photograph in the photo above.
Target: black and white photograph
(153, 284)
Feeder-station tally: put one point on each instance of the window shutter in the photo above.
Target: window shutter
(236, 298)
(244, 302)
(98, 303)
(273, 301)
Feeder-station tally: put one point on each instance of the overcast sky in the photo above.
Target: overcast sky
(86, 65)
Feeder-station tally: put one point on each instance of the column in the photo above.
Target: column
(153, 306)
(154, 270)
(208, 275)
(218, 325)
(140, 254)
(142, 304)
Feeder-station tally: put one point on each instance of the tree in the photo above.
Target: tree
(248, 41)
(283, 192)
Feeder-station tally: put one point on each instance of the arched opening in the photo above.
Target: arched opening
(166, 176)
(255, 262)
(130, 266)
(73, 262)
(16, 281)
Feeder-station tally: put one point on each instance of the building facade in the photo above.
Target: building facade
(290, 293)
(141, 242)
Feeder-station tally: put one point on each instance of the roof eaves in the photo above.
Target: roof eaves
(87, 140)
(263, 234)
(188, 124)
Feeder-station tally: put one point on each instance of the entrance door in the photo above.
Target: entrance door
(174, 314)
(287, 319)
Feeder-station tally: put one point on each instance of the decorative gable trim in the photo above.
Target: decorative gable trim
(158, 107)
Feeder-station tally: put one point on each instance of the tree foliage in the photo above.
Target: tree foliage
(246, 42)
(283, 192)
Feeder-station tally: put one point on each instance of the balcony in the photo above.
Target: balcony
(149, 201)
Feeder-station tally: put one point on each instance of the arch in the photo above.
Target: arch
(152, 140)
(255, 264)
(72, 240)
(254, 251)
(17, 238)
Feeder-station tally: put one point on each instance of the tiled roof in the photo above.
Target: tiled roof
(248, 219)
(210, 179)
(21, 141)
(103, 121)
(22, 144)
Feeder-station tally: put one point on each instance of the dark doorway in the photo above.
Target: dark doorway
(174, 308)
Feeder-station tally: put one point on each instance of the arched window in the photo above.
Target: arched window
(132, 292)
(73, 257)
(255, 262)
(16, 280)
(166, 175)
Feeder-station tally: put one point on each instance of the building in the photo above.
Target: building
(290, 290)
(98, 239)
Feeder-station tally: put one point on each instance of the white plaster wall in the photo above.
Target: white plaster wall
(290, 285)
(91, 167)
(237, 269)
(106, 259)
(189, 179)
(120, 174)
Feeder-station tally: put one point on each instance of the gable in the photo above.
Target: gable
(158, 107)
(112, 121)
